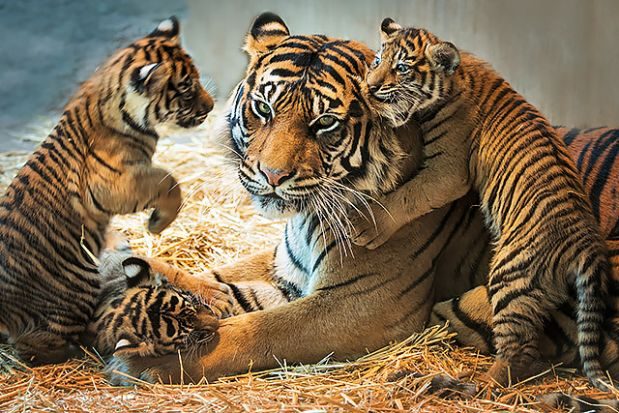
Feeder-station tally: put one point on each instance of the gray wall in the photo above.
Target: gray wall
(563, 55)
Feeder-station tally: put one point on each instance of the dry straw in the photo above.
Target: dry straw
(216, 226)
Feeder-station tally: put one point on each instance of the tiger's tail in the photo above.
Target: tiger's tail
(579, 404)
(591, 289)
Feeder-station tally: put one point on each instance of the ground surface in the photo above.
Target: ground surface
(216, 226)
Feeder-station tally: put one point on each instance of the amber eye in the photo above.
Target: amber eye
(262, 109)
(326, 123)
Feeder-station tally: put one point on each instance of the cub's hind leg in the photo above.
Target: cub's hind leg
(520, 305)
(38, 347)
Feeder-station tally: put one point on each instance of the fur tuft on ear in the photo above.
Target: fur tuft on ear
(168, 28)
(267, 31)
(149, 77)
(443, 56)
(136, 270)
(387, 28)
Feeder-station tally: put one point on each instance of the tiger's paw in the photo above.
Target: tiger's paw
(373, 230)
(214, 294)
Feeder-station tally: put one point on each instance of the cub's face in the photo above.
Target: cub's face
(157, 85)
(300, 121)
(141, 313)
(410, 73)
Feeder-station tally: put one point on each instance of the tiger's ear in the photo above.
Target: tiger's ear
(443, 56)
(168, 28)
(136, 270)
(149, 78)
(267, 31)
(387, 28)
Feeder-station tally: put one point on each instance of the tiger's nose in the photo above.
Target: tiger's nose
(374, 88)
(275, 177)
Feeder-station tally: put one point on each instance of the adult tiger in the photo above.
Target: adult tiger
(95, 163)
(312, 298)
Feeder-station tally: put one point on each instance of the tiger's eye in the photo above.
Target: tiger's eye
(327, 121)
(264, 108)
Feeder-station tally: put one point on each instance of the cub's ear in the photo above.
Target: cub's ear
(387, 29)
(443, 56)
(149, 78)
(137, 271)
(267, 31)
(168, 28)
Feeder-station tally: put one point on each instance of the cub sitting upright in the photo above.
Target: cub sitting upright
(95, 163)
(479, 133)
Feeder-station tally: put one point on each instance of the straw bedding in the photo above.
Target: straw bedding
(217, 225)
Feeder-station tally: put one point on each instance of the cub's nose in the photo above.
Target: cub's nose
(275, 177)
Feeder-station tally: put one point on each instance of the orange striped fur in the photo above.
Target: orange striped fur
(95, 163)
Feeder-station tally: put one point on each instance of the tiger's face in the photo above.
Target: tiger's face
(300, 121)
(411, 73)
(155, 84)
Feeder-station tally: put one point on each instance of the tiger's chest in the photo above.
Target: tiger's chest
(305, 251)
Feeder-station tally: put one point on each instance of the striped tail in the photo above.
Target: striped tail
(579, 404)
(591, 289)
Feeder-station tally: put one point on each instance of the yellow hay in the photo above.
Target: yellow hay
(216, 226)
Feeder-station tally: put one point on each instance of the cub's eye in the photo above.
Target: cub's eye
(402, 68)
(262, 109)
(376, 61)
(326, 123)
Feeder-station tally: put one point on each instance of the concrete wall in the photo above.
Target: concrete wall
(563, 55)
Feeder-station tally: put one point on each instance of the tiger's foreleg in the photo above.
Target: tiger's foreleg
(304, 331)
(247, 285)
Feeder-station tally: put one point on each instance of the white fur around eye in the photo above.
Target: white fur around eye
(166, 26)
(145, 71)
(122, 343)
(132, 270)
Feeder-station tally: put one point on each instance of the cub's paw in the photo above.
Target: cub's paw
(447, 387)
(129, 369)
(126, 370)
(160, 220)
(373, 230)
(167, 205)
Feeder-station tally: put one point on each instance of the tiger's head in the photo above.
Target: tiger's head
(140, 313)
(301, 125)
(151, 86)
(411, 72)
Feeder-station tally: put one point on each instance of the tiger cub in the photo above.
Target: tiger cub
(479, 133)
(96, 163)
(140, 313)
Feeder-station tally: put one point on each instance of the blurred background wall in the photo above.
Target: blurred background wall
(563, 55)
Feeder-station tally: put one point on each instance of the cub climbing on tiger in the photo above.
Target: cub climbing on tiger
(480, 134)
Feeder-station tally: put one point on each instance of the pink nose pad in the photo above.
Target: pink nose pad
(275, 177)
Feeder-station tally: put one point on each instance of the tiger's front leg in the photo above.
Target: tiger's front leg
(245, 286)
(302, 331)
(140, 187)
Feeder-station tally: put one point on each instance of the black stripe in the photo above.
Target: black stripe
(347, 282)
